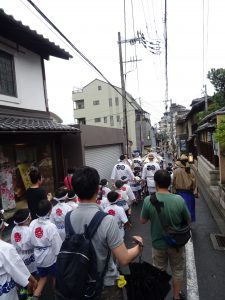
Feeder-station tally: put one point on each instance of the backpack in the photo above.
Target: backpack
(77, 276)
(175, 237)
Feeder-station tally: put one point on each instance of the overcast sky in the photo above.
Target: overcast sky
(93, 26)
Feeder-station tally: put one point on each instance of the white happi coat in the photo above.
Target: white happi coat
(12, 270)
(123, 198)
(149, 172)
(72, 204)
(105, 191)
(103, 203)
(131, 197)
(118, 213)
(57, 217)
(122, 169)
(46, 241)
(20, 238)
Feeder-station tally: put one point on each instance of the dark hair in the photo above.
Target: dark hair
(162, 179)
(119, 183)
(44, 207)
(122, 157)
(34, 175)
(70, 170)
(85, 182)
(71, 194)
(104, 182)
(60, 192)
(21, 215)
(112, 196)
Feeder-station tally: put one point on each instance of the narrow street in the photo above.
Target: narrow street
(209, 263)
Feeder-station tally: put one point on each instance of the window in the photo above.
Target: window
(110, 101)
(111, 121)
(97, 120)
(118, 118)
(7, 74)
(96, 102)
(99, 88)
(105, 119)
(80, 104)
(117, 101)
(81, 121)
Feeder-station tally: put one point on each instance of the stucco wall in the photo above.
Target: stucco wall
(29, 79)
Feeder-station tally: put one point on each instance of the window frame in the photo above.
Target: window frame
(99, 120)
(110, 102)
(13, 74)
(96, 102)
(117, 101)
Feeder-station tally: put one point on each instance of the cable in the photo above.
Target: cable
(75, 48)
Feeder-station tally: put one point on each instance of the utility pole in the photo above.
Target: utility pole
(206, 98)
(125, 129)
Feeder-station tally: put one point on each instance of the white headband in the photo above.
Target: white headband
(18, 223)
(61, 199)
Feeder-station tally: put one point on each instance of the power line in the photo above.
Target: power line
(75, 48)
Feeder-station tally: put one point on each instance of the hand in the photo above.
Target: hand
(32, 285)
(138, 240)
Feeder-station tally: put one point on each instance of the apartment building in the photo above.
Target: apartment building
(99, 104)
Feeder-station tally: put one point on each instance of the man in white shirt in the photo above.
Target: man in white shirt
(121, 169)
(149, 172)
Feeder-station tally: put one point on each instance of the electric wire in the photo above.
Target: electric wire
(135, 51)
(74, 47)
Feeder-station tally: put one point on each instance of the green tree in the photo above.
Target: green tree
(217, 78)
(220, 132)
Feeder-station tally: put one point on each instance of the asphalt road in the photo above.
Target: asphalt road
(209, 263)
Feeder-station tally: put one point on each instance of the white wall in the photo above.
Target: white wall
(29, 81)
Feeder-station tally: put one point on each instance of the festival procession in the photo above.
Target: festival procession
(112, 186)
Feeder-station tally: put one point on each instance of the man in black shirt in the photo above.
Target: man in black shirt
(35, 194)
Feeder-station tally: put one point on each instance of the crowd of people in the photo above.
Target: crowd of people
(39, 231)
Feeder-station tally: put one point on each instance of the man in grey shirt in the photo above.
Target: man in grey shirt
(85, 182)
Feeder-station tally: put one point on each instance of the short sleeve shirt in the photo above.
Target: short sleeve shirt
(174, 211)
(107, 237)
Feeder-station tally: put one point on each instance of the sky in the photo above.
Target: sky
(93, 26)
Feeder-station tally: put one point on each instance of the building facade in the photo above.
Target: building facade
(99, 104)
(28, 134)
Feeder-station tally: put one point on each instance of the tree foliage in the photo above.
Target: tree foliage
(217, 78)
(220, 132)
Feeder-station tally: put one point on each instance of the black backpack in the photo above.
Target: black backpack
(77, 276)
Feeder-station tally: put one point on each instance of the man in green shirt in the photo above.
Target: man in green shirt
(174, 212)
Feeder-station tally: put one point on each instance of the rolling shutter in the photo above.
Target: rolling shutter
(103, 159)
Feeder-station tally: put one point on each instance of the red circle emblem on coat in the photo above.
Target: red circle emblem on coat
(58, 212)
(98, 201)
(38, 232)
(103, 192)
(17, 237)
(123, 188)
(111, 212)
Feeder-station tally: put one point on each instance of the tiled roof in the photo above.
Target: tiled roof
(22, 35)
(11, 124)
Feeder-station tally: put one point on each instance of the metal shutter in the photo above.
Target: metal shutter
(103, 159)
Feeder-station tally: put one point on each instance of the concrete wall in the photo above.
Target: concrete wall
(208, 172)
(29, 78)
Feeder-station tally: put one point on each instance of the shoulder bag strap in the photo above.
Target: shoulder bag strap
(68, 226)
(157, 204)
(91, 230)
(95, 222)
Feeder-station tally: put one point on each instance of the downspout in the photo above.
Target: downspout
(44, 84)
